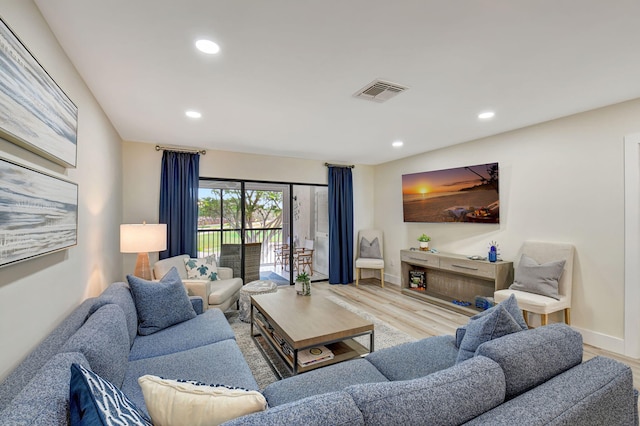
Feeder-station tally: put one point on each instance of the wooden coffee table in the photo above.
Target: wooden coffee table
(290, 323)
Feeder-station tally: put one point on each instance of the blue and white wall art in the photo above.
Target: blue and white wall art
(38, 213)
(34, 112)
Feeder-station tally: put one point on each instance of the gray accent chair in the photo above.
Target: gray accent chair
(221, 294)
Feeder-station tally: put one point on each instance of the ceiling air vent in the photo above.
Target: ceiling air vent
(379, 91)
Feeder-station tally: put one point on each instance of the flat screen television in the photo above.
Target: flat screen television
(463, 194)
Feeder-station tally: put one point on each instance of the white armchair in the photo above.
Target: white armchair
(221, 293)
(543, 252)
(370, 253)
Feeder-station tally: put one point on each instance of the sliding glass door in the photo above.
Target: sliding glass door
(264, 230)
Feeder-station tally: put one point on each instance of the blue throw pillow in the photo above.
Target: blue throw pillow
(160, 304)
(95, 401)
(496, 323)
(510, 304)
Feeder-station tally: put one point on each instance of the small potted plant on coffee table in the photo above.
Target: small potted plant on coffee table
(303, 284)
(424, 242)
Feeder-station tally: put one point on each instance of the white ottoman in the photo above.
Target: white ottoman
(252, 289)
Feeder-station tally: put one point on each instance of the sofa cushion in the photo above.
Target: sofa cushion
(332, 378)
(201, 268)
(209, 327)
(534, 356)
(222, 361)
(45, 399)
(510, 304)
(596, 392)
(119, 294)
(427, 356)
(223, 290)
(192, 403)
(95, 401)
(497, 323)
(539, 279)
(335, 408)
(51, 345)
(451, 396)
(104, 341)
(160, 304)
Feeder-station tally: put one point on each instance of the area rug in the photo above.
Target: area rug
(278, 279)
(385, 336)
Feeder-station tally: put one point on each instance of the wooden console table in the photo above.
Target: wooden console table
(450, 277)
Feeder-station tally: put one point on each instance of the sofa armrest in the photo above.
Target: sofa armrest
(198, 288)
(197, 303)
(225, 273)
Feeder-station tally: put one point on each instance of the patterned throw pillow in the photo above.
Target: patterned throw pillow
(95, 401)
(201, 269)
(186, 402)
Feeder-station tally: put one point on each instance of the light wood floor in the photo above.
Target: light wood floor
(421, 319)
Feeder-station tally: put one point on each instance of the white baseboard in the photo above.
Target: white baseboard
(602, 341)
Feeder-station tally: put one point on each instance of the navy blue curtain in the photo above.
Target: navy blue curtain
(340, 225)
(179, 202)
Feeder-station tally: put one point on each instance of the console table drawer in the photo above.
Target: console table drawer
(420, 258)
(471, 267)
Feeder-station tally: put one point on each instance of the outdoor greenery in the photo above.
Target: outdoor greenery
(222, 211)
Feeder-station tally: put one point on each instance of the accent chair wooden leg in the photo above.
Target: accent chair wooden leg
(543, 319)
(567, 316)
(382, 277)
(526, 317)
(357, 276)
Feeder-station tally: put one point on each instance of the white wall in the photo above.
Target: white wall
(559, 181)
(141, 176)
(36, 295)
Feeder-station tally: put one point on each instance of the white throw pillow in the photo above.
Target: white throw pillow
(190, 403)
(201, 268)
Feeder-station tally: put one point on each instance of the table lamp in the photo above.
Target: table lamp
(141, 239)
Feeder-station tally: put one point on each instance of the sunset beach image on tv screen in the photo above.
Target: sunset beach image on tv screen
(463, 194)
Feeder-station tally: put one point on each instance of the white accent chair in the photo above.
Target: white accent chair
(543, 252)
(369, 262)
(221, 293)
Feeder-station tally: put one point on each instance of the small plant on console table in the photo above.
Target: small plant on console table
(424, 242)
(303, 284)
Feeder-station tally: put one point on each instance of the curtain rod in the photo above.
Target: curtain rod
(192, 150)
(347, 166)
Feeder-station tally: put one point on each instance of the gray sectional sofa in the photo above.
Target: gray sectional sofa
(530, 377)
(101, 335)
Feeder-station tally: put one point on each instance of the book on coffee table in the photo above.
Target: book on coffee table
(313, 355)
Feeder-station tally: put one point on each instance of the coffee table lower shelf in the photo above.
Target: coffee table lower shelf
(343, 350)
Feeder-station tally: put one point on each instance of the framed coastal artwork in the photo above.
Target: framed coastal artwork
(38, 213)
(34, 112)
(461, 194)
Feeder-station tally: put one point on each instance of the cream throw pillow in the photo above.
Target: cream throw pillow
(174, 403)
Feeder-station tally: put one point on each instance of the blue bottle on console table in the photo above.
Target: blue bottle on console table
(493, 254)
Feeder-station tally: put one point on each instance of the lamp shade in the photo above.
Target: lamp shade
(141, 238)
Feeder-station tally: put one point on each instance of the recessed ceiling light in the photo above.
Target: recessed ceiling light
(486, 115)
(207, 46)
(397, 144)
(193, 114)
